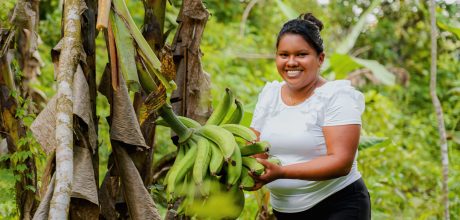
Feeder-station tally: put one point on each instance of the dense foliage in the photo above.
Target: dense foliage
(403, 174)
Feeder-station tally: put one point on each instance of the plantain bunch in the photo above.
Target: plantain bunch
(214, 158)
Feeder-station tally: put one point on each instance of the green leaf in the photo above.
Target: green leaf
(21, 167)
(289, 12)
(452, 29)
(456, 137)
(30, 187)
(378, 70)
(444, 24)
(367, 141)
(126, 52)
(342, 64)
(4, 157)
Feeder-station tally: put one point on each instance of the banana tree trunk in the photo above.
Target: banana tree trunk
(193, 84)
(68, 61)
(153, 33)
(83, 208)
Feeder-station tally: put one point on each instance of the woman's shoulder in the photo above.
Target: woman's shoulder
(269, 93)
(271, 88)
(273, 85)
(341, 93)
(337, 87)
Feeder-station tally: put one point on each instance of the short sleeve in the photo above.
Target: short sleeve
(345, 107)
(262, 108)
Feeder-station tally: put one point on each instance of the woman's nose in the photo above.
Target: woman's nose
(292, 61)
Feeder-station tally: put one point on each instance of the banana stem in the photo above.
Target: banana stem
(103, 14)
(177, 126)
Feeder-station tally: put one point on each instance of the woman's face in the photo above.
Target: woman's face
(297, 62)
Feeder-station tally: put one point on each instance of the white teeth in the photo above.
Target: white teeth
(293, 73)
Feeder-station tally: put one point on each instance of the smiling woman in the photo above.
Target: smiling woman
(298, 64)
(313, 127)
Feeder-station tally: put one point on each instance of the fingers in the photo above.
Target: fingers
(257, 186)
(264, 162)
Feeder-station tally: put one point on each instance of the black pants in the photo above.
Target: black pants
(350, 203)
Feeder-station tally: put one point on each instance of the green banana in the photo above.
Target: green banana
(238, 202)
(254, 166)
(255, 148)
(188, 122)
(247, 182)
(180, 154)
(217, 159)
(183, 166)
(234, 168)
(222, 109)
(274, 160)
(205, 188)
(241, 131)
(221, 137)
(237, 115)
(203, 156)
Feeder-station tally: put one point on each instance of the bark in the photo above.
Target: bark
(26, 19)
(84, 202)
(68, 61)
(193, 85)
(439, 112)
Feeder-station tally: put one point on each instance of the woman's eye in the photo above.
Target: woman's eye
(283, 55)
(302, 54)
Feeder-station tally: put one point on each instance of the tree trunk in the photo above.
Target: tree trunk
(439, 112)
(192, 97)
(193, 84)
(153, 32)
(13, 131)
(83, 208)
(25, 18)
(68, 61)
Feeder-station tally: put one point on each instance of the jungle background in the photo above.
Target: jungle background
(403, 173)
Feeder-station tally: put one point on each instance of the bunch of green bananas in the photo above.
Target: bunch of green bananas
(214, 158)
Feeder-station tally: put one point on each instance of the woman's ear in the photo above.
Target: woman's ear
(321, 58)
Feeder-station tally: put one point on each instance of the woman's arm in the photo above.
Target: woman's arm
(341, 143)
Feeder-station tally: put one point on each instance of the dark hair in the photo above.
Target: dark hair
(307, 26)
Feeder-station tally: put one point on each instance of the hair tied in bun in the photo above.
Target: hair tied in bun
(309, 17)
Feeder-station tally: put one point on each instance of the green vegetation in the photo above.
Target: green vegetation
(403, 173)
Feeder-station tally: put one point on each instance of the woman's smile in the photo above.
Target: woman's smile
(293, 73)
(297, 61)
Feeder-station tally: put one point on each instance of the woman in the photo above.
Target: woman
(313, 127)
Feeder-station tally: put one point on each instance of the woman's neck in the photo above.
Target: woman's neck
(295, 96)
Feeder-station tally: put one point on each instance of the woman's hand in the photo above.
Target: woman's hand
(272, 172)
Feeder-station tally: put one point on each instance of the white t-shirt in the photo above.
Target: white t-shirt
(295, 134)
